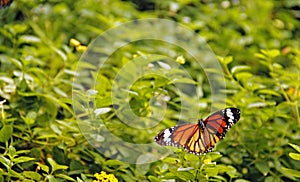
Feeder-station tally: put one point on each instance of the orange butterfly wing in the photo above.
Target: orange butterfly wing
(4, 3)
(201, 137)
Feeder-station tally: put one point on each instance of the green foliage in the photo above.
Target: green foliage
(295, 156)
(257, 43)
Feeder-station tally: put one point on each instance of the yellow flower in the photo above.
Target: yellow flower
(207, 161)
(74, 42)
(103, 177)
(78, 46)
(180, 60)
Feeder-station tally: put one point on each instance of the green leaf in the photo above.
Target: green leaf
(184, 175)
(240, 68)
(261, 104)
(30, 118)
(145, 158)
(63, 176)
(32, 175)
(171, 160)
(16, 62)
(273, 53)
(5, 161)
(272, 179)
(243, 75)
(153, 179)
(189, 157)
(292, 172)
(103, 110)
(5, 133)
(214, 156)
(241, 180)
(185, 169)
(294, 156)
(260, 56)
(7, 79)
(83, 178)
(22, 159)
(263, 167)
(232, 172)
(48, 97)
(43, 167)
(60, 92)
(56, 129)
(225, 61)
(1, 176)
(56, 166)
(268, 92)
(182, 80)
(296, 147)
(15, 174)
(114, 163)
(267, 54)
(51, 178)
(12, 151)
(24, 151)
(29, 39)
(164, 65)
(18, 28)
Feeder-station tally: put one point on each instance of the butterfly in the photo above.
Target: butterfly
(5, 3)
(201, 137)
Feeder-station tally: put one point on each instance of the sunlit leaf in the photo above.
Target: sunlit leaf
(268, 92)
(5, 161)
(237, 69)
(12, 152)
(56, 166)
(66, 177)
(153, 178)
(29, 39)
(295, 156)
(291, 172)
(182, 80)
(51, 178)
(263, 167)
(296, 147)
(225, 61)
(22, 159)
(32, 175)
(43, 167)
(6, 133)
(243, 75)
(184, 175)
(164, 65)
(14, 173)
(103, 110)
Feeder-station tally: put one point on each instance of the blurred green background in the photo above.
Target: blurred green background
(256, 42)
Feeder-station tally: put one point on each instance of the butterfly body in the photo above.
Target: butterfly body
(201, 137)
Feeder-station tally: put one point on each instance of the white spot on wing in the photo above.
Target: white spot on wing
(229, 114)
(167, 134)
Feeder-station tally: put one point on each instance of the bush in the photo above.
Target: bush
(257, 44)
